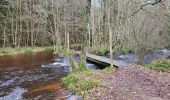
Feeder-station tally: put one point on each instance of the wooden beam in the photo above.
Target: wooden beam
(103, 60)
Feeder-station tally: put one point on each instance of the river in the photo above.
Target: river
(35, 76)
(148, 58)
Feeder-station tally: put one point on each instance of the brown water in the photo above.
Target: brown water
(22, 77)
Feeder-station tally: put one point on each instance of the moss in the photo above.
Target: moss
(162, 65)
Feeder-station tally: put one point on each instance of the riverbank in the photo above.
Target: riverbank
(24, 50)
(132, 82)
(89, 84)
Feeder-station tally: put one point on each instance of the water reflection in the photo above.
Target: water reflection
(21, 76)
(34, 76)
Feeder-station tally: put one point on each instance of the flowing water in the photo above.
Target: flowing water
(23, 77)
(148, 58)
(38, 76)
(34, 76)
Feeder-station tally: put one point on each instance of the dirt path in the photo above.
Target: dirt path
(138, 83)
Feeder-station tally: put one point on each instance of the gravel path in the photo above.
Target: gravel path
(138, 83)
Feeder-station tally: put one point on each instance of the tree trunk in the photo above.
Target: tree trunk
(110, 34)
(4, 34)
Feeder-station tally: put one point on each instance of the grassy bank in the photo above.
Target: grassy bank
(103, 51)
(90, 84)
(162, 65)
(23, 50)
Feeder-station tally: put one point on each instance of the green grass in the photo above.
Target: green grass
(85, 83)
(75, 46)
(72, 78)
(74, 82)
(49, 49)
(117, 50)
(82, 67)
(28, 50)
(162, 65)
(23, 50)
(74, 65)
(103, 50)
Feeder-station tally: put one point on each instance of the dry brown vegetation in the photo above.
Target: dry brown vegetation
(131, 82)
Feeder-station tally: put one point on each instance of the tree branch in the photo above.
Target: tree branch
(149, 3)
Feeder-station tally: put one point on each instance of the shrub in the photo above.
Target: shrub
(74, 83)
(73, 65)
(89, 72)
(103, 51)
(75, 46)
(162, 65)
(119, 51)
(64, 51)
(49, 49)
(86, 85)
(82, 67)
(4, 52)
(71, 79)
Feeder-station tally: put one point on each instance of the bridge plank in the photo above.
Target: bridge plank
(101, 59)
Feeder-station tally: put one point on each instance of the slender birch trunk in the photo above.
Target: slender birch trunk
(110, 34)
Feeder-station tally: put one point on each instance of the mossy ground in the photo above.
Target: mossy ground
(90, 84)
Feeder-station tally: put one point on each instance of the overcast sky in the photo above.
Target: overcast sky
(95, 2)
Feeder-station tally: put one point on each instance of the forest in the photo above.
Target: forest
(133, 33)
(133, 24)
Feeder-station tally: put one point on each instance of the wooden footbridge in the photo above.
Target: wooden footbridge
(103, 60)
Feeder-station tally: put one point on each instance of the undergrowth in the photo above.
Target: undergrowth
(24, 50)
(84, 83)
(74, 82)
(162, 65)
(103, 51)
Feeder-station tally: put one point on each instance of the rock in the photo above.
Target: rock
(16, 94)
(168, 57)
(59, 60)
(74, 97)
